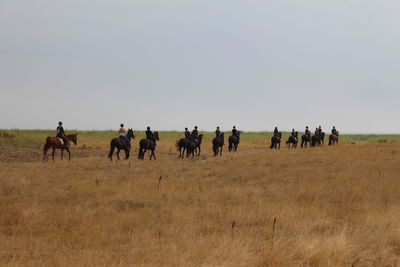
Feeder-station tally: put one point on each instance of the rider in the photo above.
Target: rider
(195, 132)
(149, 134)
(217, 132)
(319, 130)
(276, 132)
(334, 131)
(122, 133)
(234, 131)
(316, 132)
(294, 134)
(307, 131)
(61, 133)
(187, 133)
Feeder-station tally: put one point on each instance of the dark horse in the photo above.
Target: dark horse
(148, 144)
(321, 136)
(197, 143)
(293, 140)
(318, 139)
(305, 139)
(218, 143)
(120, 143)
(234, 142)
(276, 141)
(186, 144)
(334, 139)
(315, 140)
(57, 143)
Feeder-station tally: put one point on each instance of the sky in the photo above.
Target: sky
(94, 64)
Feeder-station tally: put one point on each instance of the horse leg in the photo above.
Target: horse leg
(140, 153)
(118, 149)
(69, 153)
(52, 154)
(62, 153)
(126, 153)
(152, 154)
(198, 152)
(220, 151)
(45, 149)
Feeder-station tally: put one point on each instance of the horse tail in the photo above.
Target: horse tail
(140, 155)
(178, 145)
(46, 147)
(48, 143)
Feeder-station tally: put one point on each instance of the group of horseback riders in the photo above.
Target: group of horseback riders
(234, 132)
(307, 132)
(195, 133)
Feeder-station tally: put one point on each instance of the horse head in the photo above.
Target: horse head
(156, 137)
(130, 134)
(73, 138)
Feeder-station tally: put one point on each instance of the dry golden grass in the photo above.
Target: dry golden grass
(334, 206)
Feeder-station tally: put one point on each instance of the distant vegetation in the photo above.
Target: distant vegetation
(35, 138)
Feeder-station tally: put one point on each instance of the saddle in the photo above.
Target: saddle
(62, 141)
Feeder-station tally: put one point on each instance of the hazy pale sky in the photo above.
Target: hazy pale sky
(169, 64)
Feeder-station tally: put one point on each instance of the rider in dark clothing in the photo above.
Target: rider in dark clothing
(61, 133)
(276, 132)
(217, 132)
(195, 132)
(307, 132)
(334, 131)
(294, 134)
(319, 130)
(234, 131)
(149, 134)
(187, 133)
(316, 132)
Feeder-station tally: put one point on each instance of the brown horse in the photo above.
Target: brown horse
(57, 143)
(334, 139)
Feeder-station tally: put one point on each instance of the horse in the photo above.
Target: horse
(234, 142)
(58, 143)
(120, 143)
(293, 140)
(322, 138)
(315, 140)
(218, 143)
(276, 141)
(334, 138)
(305, 139)
(148, 144)
(197, 142)
(186, 144)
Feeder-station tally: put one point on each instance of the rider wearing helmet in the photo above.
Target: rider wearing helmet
(195, 132)
(294, 134)
(149, 134)
(187, 133)
(307, 131)
(276, 132)
(217, 132)
(61, 133)
(122, 133)
(234, 131)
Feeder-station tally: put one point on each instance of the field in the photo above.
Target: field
(329, 206)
